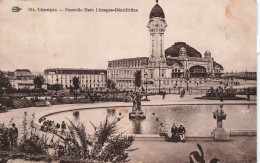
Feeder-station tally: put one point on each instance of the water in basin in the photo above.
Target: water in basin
(197, 119)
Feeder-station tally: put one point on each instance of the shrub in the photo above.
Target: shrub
(34, 145)
(77, 145)
(105, 146)
(5, 142)
(31, 143)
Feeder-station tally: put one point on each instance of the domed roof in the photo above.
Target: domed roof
(174, 50)
(207, 52)
(157, 11)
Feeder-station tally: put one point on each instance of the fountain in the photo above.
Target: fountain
(136, 108)
(219, 133)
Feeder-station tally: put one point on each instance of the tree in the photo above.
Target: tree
(38, 82)
(76, 84)
(138, 79)
(4, 83)
(110, 84)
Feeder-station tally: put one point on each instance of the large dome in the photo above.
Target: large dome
(157, 11)
(174, 50)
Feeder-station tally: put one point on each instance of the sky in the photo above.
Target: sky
(40, 40)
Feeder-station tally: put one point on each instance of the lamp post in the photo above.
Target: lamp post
(187, 79)
(208, 73)
(57, 85)
(159, 77)
(246, 75)
(146, 75)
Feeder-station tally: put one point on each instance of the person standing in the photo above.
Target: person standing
(174, 131)
(248, 94)
(163, 94)
(181, 94)
(182, 132)
(13, 136)
(57, 126)
(63, 127)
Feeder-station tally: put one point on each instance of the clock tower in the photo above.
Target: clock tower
(156, 27)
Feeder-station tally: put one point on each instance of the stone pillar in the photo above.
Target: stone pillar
(219, 133)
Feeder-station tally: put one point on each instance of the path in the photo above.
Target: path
(239, 149)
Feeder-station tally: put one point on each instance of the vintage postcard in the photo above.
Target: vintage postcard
(167, 81)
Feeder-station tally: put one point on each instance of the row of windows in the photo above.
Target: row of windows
(165, 82)
(121, 74)
(88, 85)
(70, 81)
(134, 63)
(154, 30)
(176, 70)
(80, 76)
(217, 71)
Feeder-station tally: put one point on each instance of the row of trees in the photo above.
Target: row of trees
(39, 81)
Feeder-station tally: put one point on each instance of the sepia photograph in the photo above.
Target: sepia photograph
(152, 81)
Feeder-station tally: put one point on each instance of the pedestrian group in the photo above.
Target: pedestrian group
(178, 133)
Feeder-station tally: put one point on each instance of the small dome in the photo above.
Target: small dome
(157, 11)
(182, 51)
(207, 52)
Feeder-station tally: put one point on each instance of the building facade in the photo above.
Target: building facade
(90, 79)
(165, 69)
(122, 71)
(24, 79)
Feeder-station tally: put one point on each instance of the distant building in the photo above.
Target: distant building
(89, 78)
(122, 70)
(25, 84)
(23, 79)
(242, 75)
(164, 68)
(23, 74)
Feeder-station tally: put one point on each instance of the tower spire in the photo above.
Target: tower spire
(156, 1)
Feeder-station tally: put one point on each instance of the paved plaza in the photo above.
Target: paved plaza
(238, 149)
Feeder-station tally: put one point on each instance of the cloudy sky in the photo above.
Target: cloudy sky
(39, 40)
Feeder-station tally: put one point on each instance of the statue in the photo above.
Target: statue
(219, 133)
(138, 101)
(136, 108)
(134, 103)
